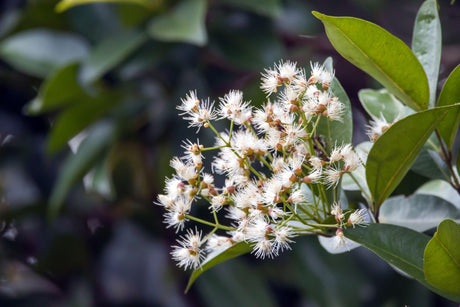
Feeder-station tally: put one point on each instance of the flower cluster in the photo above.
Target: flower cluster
(279, 173)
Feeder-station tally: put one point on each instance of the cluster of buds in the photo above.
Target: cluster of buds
(269, 158)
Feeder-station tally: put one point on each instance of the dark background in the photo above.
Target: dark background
(107, 245)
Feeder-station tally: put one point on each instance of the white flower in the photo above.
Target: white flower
(320, 75)
(176, 216)
(287, 71)
(351, 159)
(337, 212)
(316, 163)
(270, 82)
(357, 218)
(204, 113)
(257, 230)
(339, 239)
(174, 187)
(188, 253)
(233, 108)
(264, 248)
(332, 176)
(190, 103)
(217, 202)
(184, 171)
(335, 109)
(377, 127)
(282, 240)
(297, 197)
(217, 243)
(165, 201)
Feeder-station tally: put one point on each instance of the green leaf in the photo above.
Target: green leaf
(51, 95)
(100, 181)
(379, 103)
(431, 165)
(75, 118)
(426, 43)
(395, 151)
(269, 8)
(418, 212)
(380, 54)
(450, 94)
(184, 23)
(337, 132)
(442, 189)
(78, 164)
(38, 52)
(442, 259)
(401, 247)
(109, 53)
(64, 5)
(236, 250)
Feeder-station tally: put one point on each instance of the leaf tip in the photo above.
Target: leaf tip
(318, 15)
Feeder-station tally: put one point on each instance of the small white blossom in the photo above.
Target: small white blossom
(282, 240)
(264, 248)
(357, 218)
(188, 253)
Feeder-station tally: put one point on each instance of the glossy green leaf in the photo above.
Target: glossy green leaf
(379, 103)
(337, 132)
(426, 43)
(64, 5)
(109, 53)
(51, 95)
(75, 118)
(270, 8)
(399, 246)
(442, 189)
(394, 152)
(450, 94)
(418, 212)
(184, 23)
(381, 55)
(442, 259)
(431, 165)
(236, 250)
(78, 164)
(38, 52)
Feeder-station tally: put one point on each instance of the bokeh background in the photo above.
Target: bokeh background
(79, 228)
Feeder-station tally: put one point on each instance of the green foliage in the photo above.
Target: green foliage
(401, 247)
(109, 53)
(76, 166)
(441, 260)
(381, 55)
(450, 94)
(426, 43)
(394, 152)
(38, 52)
(51, 96)
(77, 117)
(379, 103)
(64, 5)
(418, 212)
(185, 23)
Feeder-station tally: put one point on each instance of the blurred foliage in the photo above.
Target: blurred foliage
(88, 123)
